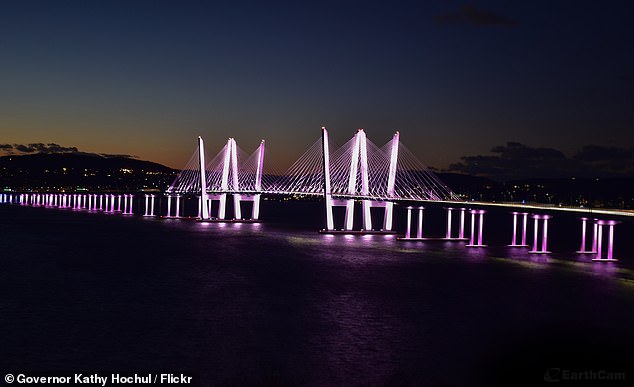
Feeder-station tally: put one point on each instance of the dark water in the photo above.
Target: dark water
(278, 304)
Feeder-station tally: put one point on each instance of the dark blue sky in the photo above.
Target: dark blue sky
(456, 78)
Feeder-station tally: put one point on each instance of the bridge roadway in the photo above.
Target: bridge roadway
(458, 203)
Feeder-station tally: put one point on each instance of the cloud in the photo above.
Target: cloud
(109, 155)
(42, 148)
(52, 148)
(518, 161)
(469, 14)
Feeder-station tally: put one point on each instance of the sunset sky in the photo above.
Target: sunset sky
(146, 77)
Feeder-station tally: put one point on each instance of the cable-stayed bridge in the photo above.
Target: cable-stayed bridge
(359, 170)
(358, 175)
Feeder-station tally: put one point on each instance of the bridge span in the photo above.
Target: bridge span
(357, 174)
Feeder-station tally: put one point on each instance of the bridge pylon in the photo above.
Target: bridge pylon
(358, 166)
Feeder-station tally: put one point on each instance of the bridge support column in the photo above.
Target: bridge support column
(349, 220)
(169, 206)
(472, 240)
(388, 217)
(119, 203)
(147, 205)
(419, 230)
(237, 211)
(367, 215)
(610, 251)
(222, 206)
(524, 224)
(255, 213)
(450, 224)
(448, 234)
(408, 230)
(595, 229)
(582, 249)
(131, 204)
(330, 224)
(544, 249)
(203, 211)
(178, 206)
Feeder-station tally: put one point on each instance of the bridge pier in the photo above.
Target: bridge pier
(419, 229)
(582, 249)
(131, 206)
(472, 239)
(450, 225)
(222, 206)
(149, 211)
(544, 249)
(169, 206)
(147, 201)
(610, 251)
(524, 224)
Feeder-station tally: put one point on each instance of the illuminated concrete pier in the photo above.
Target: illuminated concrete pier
(544, 233)
(358, 166)
(419, 228)
(522, 242)
(582, 248)
(473, 242)
(449, 232)
(610, 251)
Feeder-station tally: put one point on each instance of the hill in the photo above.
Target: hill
(82, 170)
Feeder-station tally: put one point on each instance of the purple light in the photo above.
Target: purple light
(544, 249)
(203, 179)
(448, 234)
(419, 230)
(409, 222)
(326, 169)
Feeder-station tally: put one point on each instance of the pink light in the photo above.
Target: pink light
(583, 235)
(419, 230)
(234, 169)
(224, 185)
(535, 230)
(611, 242)
(258, 182)
(326, 169)
(448, 236)
(524, 228)
(545, 233)
(203, 178)
(391, 180)
(365, 185)
(514, 240)
(409, 222)
(472, 239)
